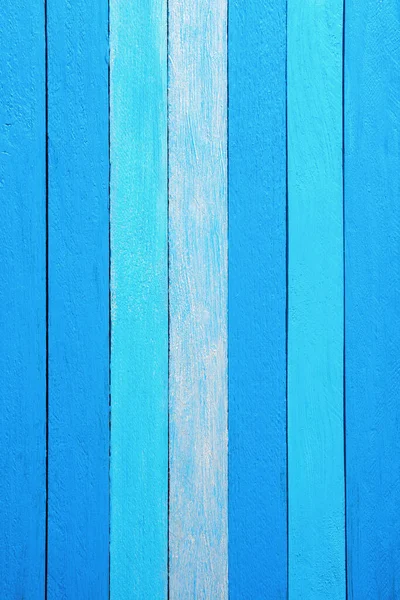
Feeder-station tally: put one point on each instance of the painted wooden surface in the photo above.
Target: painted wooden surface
(315, 305)
(134, 503)
(78, 519)
(372, 222)
(198, 553)
(23, 300)
(139, 297)
(257, 300)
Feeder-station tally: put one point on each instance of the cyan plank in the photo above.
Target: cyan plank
(315, 301)
(139, 296)
(372, 228)
(78, 496)
(257, 300)
(198, 552)
(23, 300)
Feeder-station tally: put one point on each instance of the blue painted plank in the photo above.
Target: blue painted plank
(372, 226)
(198, 537)
(78, 496)
(23, 300)
(315, 301)
(257, 300)
(139, 288)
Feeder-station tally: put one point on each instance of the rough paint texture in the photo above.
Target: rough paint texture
(78, 541)
(139, 288)
(198, 299)
(315, 313)
(22, 300)
(257, 300)
(372, 226)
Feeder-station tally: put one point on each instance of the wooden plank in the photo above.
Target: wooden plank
(315, 309)
(23, 300)
(257, 300)
(78, 497)
(198, 552)
(139, 287)
(372, 221)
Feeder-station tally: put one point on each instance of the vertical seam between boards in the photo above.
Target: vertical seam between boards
(227, 277)
(168, 323)
(287, 299)
(109, 297)
(344, 299)
(46, 551)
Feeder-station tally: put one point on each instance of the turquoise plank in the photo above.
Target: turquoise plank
(198, 540)
(257, 300)
(78, 496)
(372, 225)
(22, 300)
(315, 301)
(139, 296)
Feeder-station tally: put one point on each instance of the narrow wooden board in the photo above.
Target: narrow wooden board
(198, 552)
(23, 300)
(372, 228)
(257, 300)
(315, 309)
(78, 517)
(139, 296)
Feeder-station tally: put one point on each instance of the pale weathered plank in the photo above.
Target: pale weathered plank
(198, 299)
(315, 305)
(139, 295)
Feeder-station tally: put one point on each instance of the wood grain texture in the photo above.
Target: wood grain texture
(78, 539)
(315, 312)
(139, 288)
(23, 300)
(372, 227)
(198, 550)
(257, 300)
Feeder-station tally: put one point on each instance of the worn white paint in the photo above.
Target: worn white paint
(198, 537)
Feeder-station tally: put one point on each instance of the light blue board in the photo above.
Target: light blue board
(198, 536)
(372, 227)
(139, 300)
(257, 300)
(22, 300)
(78, 509)
(315, 301)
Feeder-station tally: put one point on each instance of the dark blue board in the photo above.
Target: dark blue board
(257, 299)
(22, 300)
(78, 518)
(372, 246)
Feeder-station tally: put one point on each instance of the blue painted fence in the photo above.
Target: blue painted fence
(200, 325)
